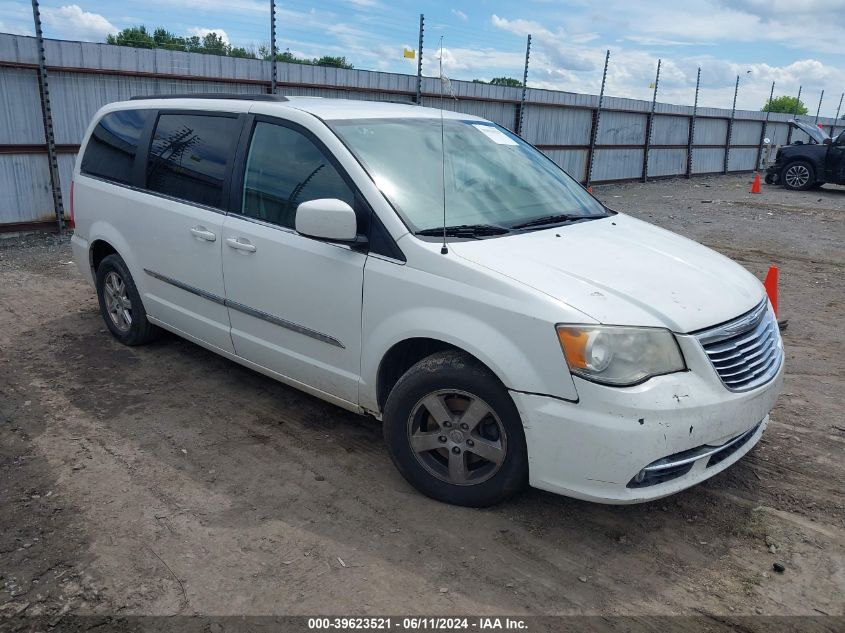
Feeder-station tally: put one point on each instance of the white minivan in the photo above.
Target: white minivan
(437, 272)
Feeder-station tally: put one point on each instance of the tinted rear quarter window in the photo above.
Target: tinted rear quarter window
(189, 154)
(111, 150)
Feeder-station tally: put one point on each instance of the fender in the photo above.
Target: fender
(516, 341)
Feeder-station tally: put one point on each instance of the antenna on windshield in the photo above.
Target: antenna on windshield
(444, 250)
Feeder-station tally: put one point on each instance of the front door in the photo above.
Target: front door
(836, 160)
(294, 302)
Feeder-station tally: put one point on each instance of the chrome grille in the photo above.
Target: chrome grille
(746, 352)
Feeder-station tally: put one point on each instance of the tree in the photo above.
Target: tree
(136, 36)
(500, 81)
(506, 81)
(212, 44)
(329, 60)
(786, 104)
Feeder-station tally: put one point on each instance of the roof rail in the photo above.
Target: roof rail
(213, 95)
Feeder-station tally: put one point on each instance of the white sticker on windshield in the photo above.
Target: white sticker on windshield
(495, 134)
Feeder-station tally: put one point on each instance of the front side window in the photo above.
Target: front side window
(492, 177)
(188, 156)
(284, 168)
(111, 150)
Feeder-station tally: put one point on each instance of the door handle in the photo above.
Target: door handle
(202, 233)
(240, 244)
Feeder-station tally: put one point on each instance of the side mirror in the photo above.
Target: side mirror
(327, 219)
(828, 141)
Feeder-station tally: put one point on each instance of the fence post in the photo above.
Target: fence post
(650, 124)
(763, 130)
(273, 79)
(729, 136)
(419, 61)
(836, 118)
(47, 120)
(794, 113)
(594, 129)
(819, 109)
(691, 139)
(524, 87)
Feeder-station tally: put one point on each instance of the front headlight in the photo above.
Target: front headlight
(617, 355)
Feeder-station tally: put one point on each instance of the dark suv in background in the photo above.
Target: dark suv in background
(802, 166)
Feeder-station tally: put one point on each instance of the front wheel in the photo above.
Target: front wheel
(798, 176)
(454, 433)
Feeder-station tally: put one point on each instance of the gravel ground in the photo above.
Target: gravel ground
(166, 480)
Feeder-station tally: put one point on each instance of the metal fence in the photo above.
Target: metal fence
(84, 76)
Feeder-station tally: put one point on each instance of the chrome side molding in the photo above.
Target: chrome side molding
(258, 314)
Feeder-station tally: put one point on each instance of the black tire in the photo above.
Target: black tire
(799, 175)
(770, 179)
(455, 379)
(125, 317)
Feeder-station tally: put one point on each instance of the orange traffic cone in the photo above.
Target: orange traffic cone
(755, 187)
(771, 285)
(590, 189)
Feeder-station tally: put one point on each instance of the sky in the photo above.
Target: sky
(790, 42)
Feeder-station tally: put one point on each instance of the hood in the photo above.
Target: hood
(813, 131)
(623, 271)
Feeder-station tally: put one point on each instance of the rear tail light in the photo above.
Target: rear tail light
(72, 220)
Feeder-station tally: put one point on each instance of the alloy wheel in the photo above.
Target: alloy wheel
(797, 176)
(118, 305)
(457, 437)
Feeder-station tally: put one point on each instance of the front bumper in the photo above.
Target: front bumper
(596, 448)
(773, 173)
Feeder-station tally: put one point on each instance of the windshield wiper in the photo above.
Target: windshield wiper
(466, 230)
(557, 218)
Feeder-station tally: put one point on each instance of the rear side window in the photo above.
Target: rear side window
(111, 150)
(188, 156)
(284, 168)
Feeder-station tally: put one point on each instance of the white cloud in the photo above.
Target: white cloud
(72, 23)
(459, 14)
(14, 30)
(563, 61)
(202, 32)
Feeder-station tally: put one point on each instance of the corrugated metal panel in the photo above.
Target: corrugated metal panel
(20, 107)
(502, 113)
(777, 132)
(572, 161)
(25, 188)
(742, 159)
(557, 126)
(711, 131)
(708, 160)
(667, 162)
(81, 96)
(24, 179)
(670, 130)
(18, 48)
(66, 164)
(616, 164)
(621, 128)
(746, 133)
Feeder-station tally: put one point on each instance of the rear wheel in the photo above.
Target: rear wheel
(120, 303)
(798, 176)
(454, 433)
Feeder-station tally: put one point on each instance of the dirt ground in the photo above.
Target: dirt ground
(164, 479)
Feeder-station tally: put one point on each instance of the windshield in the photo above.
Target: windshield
(491, 176)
